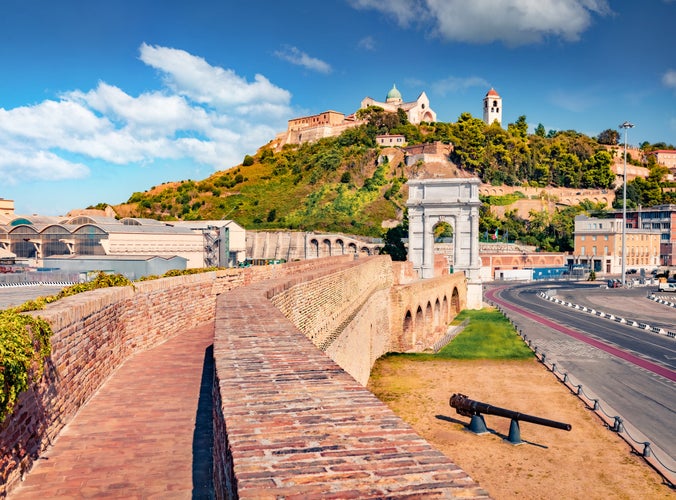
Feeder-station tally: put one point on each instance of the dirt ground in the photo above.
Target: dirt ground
(589, 461)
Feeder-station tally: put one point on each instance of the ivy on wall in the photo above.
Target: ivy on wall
(24, 345)
(25, 340)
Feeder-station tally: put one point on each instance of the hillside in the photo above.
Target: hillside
(348, 184)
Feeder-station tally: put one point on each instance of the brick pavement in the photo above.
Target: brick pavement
(137, 437)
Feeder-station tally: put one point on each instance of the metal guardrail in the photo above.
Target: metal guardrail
(618, 319)
(615, 423)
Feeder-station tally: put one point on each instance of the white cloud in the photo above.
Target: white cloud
(367, 43)
(512, 22)
(205, 114)
(404, 11)
(300, 58)
(21, 165)
(669, 79)
(194, 78)
(454, 84)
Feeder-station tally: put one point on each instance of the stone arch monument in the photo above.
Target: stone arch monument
(455, 201)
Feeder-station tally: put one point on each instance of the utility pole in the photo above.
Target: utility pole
(625, 126)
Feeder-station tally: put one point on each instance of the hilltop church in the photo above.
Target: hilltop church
(416, 111)
(333, 123)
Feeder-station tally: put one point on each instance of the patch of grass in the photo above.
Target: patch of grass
(489, 335)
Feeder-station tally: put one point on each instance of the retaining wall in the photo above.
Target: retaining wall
(288, 419)
(290, 423)
(94, 332)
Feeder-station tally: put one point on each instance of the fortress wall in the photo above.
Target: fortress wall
(539, 198)
(341, 310)
(295, 245)
(295, 419)
(438, 299)
(95, 332)
(290, 423)
(289, 245)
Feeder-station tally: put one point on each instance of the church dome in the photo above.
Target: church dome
(393, 94)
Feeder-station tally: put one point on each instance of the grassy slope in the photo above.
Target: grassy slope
(290, 190)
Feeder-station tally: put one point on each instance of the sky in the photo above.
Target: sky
(101, 99)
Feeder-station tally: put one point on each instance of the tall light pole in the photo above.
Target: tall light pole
(625, 126)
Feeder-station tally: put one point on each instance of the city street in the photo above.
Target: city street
(630, 370)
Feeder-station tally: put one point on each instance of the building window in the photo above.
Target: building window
(582, 238)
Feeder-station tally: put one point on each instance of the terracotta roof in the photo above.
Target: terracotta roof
(492, 92)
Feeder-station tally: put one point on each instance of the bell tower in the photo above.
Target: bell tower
(492, 107)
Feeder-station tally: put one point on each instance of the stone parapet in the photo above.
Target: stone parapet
(290, 423)
(289, 418)
(95, 332)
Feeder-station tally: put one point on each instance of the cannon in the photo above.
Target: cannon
(475, 409)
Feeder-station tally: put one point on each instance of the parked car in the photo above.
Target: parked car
(614, 283)
(666, 286)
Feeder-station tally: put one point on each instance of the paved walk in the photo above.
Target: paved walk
(145, 434)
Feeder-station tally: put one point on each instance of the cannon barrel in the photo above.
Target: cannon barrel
(468, 407)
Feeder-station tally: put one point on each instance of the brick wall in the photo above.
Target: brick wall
(94, 332)
(288, 419)
(420, 311)
(290, 423)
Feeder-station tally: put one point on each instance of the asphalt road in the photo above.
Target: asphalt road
(630, 370)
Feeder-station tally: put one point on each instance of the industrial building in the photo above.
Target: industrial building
(86, 243)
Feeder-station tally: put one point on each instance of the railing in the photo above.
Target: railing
(614, 422)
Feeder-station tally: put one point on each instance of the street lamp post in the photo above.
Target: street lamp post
(625, 126)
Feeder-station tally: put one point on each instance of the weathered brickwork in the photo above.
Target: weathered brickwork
(288, 420)
(290, 423)
(318, 307)
(93, 333)
(420, 311)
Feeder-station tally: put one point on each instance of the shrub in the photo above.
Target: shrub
(24, 345)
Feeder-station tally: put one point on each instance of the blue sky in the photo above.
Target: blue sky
(102, 99)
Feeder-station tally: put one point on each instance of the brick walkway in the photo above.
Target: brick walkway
(145, 434)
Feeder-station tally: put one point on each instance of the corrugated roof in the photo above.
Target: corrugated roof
(113, 257)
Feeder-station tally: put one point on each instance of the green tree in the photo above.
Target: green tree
(519, 128)
(394, 244)
(443, 230)
(470, 143)
(609, 136)
(597, 171)
(379, 120)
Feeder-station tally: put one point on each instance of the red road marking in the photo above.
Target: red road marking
(645, 364)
